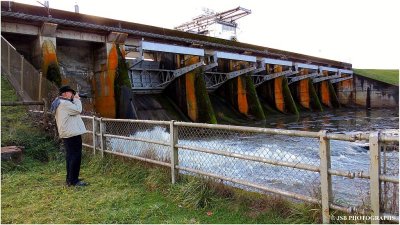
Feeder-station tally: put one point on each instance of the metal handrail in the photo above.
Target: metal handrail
(324, 167)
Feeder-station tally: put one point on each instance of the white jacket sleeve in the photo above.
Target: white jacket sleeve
(73, 108)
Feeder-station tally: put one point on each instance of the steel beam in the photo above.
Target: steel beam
(259, 79)
(148, 79)
(325, 68)
(234, 56)
(186, 69)
(306, 66)
(210, 66)
(298, 78)
(277, 62)
(340, 79)
(216, 79)
(260, 69)
(237, 73)
(158, 47)
(317, 80)
(342, 71)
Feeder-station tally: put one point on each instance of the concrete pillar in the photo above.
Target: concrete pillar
(106, 65)
(279, 99)
(324, 91)
(190, 93)
(47, 33)
(304, 90)
(243, 105)
(191, 98)
(241, 93)
(283, 97)
(44, 54)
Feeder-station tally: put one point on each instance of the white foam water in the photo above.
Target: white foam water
(345, 156)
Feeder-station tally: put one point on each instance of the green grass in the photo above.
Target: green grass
(387, 76)
(120, 190)
(18, 129)
(126, 192)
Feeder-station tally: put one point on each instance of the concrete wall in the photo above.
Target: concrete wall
(345, 92)
(79, 62)
(76, 62)
(374, 94)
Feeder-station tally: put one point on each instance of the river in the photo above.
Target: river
(345, 156)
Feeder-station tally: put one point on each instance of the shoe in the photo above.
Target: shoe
(80, 184)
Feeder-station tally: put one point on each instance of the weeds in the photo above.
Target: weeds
(195, 192)
(306, 213)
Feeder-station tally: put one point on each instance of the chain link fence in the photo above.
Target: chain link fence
(250, 145)
(332, 170)
(390, 167)
(28, 82)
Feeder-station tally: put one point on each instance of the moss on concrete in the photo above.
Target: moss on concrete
(290, 105)
(225, 112)
(268, 109)
(240, 93)
(50, 68)
(205, 109)
(332, 93)
(53, 74)
(253, 100)
(177, 91)
(169, 105)
(121, 80)
(314, 100)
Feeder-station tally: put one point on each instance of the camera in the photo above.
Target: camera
(83, 95)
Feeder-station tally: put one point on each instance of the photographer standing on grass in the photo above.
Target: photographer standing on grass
(67, 108)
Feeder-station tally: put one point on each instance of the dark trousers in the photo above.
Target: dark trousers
(73, 146)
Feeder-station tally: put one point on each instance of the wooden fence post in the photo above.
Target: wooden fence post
(94, 125)
(326, 182)
(374, 172)
(102, 144)
(173, 130)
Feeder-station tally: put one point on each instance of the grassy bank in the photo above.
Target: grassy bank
(387, 76)
(121, 190)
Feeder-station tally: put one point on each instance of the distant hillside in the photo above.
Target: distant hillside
(387, 76)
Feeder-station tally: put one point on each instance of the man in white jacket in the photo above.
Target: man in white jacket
(67, 108)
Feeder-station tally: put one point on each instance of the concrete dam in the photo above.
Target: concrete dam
(137, 71)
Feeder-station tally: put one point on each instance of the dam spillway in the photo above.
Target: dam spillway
(201, 79)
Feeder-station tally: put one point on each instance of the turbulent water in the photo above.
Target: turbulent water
(338, 120)
(345, 156)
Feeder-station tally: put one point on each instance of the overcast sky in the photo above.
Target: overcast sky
(362, 32)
